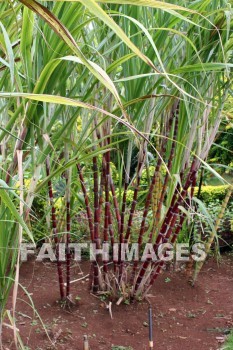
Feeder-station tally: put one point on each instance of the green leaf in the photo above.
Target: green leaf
(63, 32)
(204, 211)
(199, 67)
(9, 203)
(9, 51)
(95, 9)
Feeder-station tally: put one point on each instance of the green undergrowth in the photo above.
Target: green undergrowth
(229, 343)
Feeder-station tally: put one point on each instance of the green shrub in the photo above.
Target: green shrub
(212, 193)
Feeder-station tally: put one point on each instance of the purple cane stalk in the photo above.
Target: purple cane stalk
(68, 227)
(95, 276)
(170, 220)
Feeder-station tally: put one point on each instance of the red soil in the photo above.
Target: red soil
(186, 317)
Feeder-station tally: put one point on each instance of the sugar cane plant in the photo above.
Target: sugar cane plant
(91, 88)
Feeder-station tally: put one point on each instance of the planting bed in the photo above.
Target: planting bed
(184, 317)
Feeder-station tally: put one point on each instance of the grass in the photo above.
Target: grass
(229, 343)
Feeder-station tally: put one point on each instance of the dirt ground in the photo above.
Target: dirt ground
(184, 317)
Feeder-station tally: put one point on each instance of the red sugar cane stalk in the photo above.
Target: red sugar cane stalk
(94, 266)
(112, 187)
(96, 200)
(106, 176)
(95, 286)
(178, 228)
(173, 239)
(121, 236)
(132, 210)
(107, 184)
(88, 209)
(110, 227)
(159, 264)
(54, 226)
(150, 193)
(126, 185)
(133, 207)
(170, 219)
(111, 233)
(174, 114)
(101, 197)
(172, 214)
(145, 212)
(106, 209)
(68, 254)
(148, 201)
(115, 203)
(68, 227)
(111, 184)
(106, 190)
